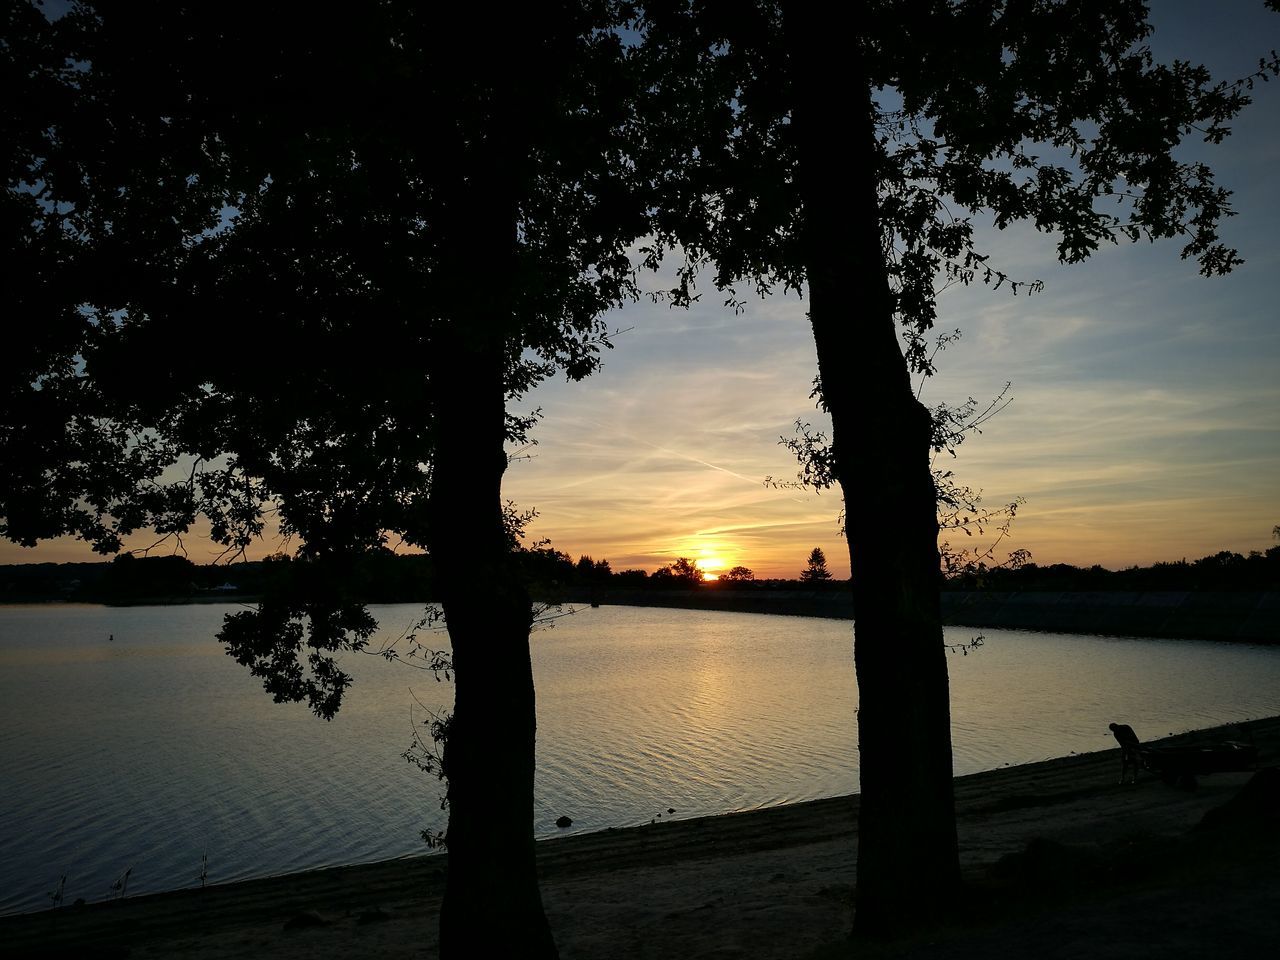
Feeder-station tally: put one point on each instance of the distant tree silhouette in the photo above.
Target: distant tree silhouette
(844, 151)
(593, 575)
(129, 577)
(817, 568)
(632, 579)
(547, 568)
(683, 572)
(309, 258)
(737, 575)
(687, 570)
(1223, 571)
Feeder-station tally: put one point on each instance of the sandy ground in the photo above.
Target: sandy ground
(1059, 861)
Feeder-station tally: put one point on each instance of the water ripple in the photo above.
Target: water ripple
(158, 749)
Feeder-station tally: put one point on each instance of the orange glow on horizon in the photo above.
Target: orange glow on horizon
(711, 563)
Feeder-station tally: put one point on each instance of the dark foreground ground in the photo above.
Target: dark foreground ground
(1060, 861)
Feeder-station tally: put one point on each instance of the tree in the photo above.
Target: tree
(438, 222)
(737, 575)
(683, 573)
(845, 152)
(593, 575)
(631, 579)
(816, 571)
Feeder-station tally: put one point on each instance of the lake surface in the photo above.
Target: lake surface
(154, 749)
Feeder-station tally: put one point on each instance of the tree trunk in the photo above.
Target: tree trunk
(492, 904)
(908, 864)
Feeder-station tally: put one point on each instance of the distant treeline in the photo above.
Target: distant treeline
(381, 577)
(385, 577)
(1224, 571)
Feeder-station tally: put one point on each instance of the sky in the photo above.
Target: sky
(1145, 415)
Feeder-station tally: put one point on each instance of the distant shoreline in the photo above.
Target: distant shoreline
(1251, 616)
(204, 599)
(1243, 617)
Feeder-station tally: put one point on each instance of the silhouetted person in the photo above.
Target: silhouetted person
(1128, 741)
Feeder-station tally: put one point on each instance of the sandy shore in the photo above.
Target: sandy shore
(1059, 861)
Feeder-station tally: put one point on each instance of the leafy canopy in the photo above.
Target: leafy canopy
(1048, 112)
(239, 239)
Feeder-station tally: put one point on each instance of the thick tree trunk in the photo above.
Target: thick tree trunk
(492, 904)
(908, 865)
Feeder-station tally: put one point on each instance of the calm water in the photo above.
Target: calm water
(156, 748)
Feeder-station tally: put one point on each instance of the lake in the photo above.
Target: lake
(151, 750)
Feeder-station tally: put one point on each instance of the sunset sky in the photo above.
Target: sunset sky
(1144, 426)
(1145, 422)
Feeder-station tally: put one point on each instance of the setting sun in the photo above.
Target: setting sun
(711, 563)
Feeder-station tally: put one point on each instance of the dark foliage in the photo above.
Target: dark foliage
(287, 267)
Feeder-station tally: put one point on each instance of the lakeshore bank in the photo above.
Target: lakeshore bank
(1245, 616)
(1059, 861)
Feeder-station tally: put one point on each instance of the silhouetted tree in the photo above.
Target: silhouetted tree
(309, 257)
(683, 573)
(593, 575)
(843, 151)
(687, 571)
(737, 575)
(547, 568)
(817, 570)
(129, 577)
(632, 579)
